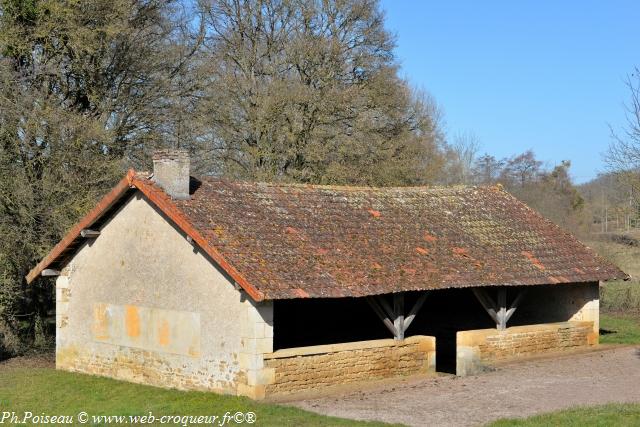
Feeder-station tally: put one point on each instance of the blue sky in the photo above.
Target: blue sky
(541, 75)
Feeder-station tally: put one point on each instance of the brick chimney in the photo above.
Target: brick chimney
(171, 172)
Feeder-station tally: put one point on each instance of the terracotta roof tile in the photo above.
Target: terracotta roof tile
(291, 241)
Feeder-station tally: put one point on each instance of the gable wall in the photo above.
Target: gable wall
(140, 303)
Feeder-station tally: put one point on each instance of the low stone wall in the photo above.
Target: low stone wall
(476, 349)
(307, 368)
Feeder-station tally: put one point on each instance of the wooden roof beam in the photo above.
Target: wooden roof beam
(89, 234)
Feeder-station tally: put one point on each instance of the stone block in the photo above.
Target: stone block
(63, 282)
(250, 361)
(257, 345)
(257, 392)
(261, 376)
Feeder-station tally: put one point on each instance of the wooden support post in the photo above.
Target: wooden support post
(393, 317)
(49, 272)
(502, 309)
(398, 314)
(89, 234)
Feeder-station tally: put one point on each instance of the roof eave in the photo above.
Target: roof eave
(163, 202)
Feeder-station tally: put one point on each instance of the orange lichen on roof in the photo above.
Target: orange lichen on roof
(301, 293)
(422, 251)
(535, 261)
(374, 213)
(218, 231)
(429, 238)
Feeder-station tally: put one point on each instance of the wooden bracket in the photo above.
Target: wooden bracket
(487, 303)
(514, 305)
(394, 317)
(498, 311)
(375, 305)
(415, 309)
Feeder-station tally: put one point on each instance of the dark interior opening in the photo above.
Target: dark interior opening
(307, 322)
(317, 321)
(548, 303)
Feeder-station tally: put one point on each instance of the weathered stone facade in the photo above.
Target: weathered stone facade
(309, 368)
(477, 348)
(142, 304)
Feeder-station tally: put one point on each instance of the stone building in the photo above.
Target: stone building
(259, 289)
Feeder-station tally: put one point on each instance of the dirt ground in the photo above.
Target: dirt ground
(518, 389)
(46, 360)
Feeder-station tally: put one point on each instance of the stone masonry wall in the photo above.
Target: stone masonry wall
(140, 303)
(309, 368)
(504, 346)
(477, 348)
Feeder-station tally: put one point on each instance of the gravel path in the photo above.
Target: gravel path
(513, 390)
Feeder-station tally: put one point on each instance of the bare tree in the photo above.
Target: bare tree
(487, 169)
(308, 91)
(460, 157)
(623, 156)
(521, 169)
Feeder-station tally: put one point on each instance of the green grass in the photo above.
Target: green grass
(45, 390)
(607, 415)
(618, 329)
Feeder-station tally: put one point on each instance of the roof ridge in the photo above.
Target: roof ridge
(497, 187)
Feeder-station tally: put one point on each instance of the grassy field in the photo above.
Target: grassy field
(608, 415)
(46, 391)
